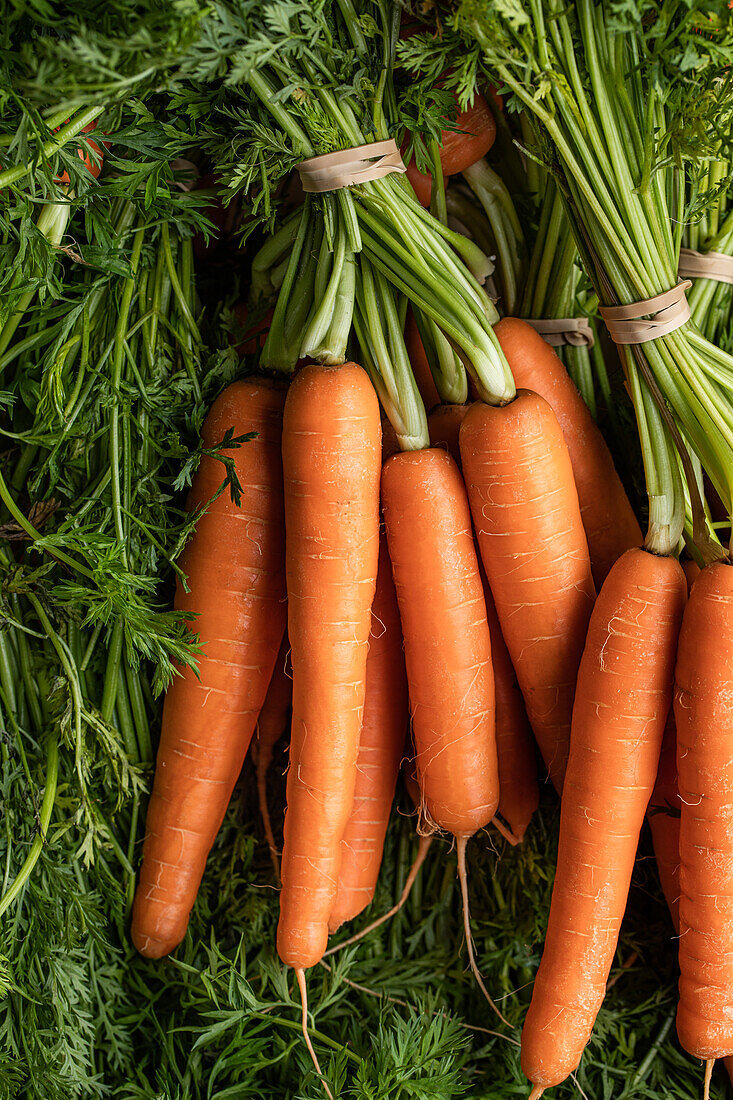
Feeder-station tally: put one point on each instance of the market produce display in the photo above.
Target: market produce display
(366, 658)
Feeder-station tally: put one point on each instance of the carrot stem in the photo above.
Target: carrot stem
(422, 851)
(461, 843)
(300, 975)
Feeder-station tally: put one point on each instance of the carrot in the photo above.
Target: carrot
(423, 847)
(608, 518)
(254, 334)
(235, 568)
(665, 806)
(519, 793)
(702, 707)
(471, 138)
(447, 646)
(331, 463)
(270, 725)
(92, 157)
(664, 821)
(380, 750)
(444, 425)
(621, 704)
(419, 363)
(525, 510)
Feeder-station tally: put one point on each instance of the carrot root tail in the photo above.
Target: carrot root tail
(422, 851)
(461, 843)
(537, 1091)
(266, 821)
(300, 975)
(505, 832)
(708, 1077)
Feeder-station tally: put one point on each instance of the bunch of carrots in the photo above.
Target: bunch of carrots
(459, 606)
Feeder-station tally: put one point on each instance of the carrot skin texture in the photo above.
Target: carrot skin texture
(702, 708)
(381, 748)
(331, 464)
(519, 793)
(534, 550)
(621, 704)
(608, 518)
(447, 641)
(235, 564)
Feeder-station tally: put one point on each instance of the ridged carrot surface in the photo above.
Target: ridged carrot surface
(447, 641)
(381, 749)
(623, 696)
(608, 518)
(331, 466)
(236, 574)
(525, 510)
(519, 792)
(702, 707)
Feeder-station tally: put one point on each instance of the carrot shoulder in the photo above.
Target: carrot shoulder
(235, 568)
(533, 546)
(331, 465)
(623, 696)
(608, 518)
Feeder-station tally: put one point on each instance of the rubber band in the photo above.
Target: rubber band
(705, 265)
(561, 332)
(639, 322)
(346, 167)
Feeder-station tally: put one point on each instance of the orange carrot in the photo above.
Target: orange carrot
(702, 707)
(444, 425)
(609, 521)
(270, 725)
(527, 519)
(519, 793)
(380, 751)
(447, 646)
(621, 704)
(235, 568)
(331, 464)
(664, 821)
(665, 806)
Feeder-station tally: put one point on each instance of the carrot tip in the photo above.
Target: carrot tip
(300, 976)
(505, 832)
(708, 1077)
(537, 1091)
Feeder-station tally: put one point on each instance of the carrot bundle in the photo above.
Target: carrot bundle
(236, 579)
(704, 683)
(331, 465)
(381, 748)
(608, 518)
(533, 547)
(623, 695)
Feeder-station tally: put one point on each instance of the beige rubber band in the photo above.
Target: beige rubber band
(563, 331)
(705, 265)
(347, 167)
(639, 322)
